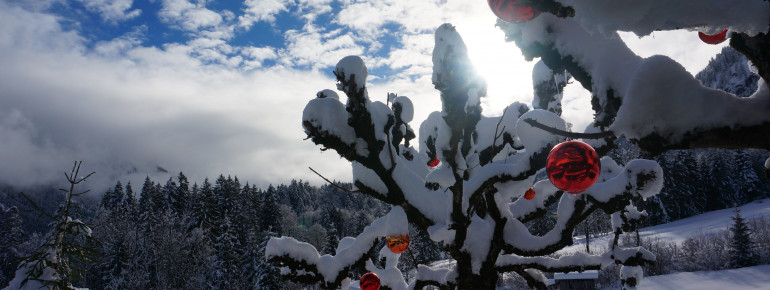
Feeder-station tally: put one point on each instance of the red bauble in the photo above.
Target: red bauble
(397, 243)
(573, 166)
(370, 281)
(433, 162)
(511, 11)
(713, 38)
(530, 194)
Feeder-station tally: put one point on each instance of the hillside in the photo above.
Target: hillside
(748, 278)
(678, 231)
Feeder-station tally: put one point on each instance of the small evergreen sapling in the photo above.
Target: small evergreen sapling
(68, 249)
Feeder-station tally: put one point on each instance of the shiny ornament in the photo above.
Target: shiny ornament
(713, 38)
(434, 162)
(397, 243)
(370, 281)
(573, 166)
(511, 11)
(530, 194)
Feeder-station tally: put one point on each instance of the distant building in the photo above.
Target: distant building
(574, 280)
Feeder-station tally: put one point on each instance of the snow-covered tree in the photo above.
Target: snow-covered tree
(741, 251)
(470, 201)
(68, 248)
(11, 237)
(466, 202)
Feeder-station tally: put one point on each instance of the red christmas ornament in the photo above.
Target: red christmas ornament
(433, 162)
(713, 38)
(397, 243)
(370, 281)
(511, 11)
(530, 194)
(573, 166)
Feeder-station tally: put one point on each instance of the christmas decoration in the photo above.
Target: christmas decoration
(397, 243)
(434, 162)
(511, 11)
(530, 194)
(370, 281)
(573, 166)
(713, 38)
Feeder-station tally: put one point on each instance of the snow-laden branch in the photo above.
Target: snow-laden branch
(301, 261)
(654, 100)
(465, 201)
(644, 17)
(639, 179)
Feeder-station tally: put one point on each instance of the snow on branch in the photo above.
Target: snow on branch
(641, 179)
(654, 100)
(644, 17)
(470, 198)
(301, 262)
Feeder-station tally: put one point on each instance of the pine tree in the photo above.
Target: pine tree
(11, 235)
(179, 197)
(129, 203)
(741, 247)
(269, 214)
(226, 267)
(68, 250)
(267, 275)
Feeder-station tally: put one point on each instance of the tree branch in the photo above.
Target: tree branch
(573, 135)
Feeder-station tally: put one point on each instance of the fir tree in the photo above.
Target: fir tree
(179, 197)
(129, 203)
(267, 275)
(68, 250)
(269, 214)
(11, 235)
(741, 246)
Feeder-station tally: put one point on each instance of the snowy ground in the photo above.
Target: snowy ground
(757, 277)
(682, 229)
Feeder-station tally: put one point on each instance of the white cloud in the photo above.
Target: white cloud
(256, 56)
(155, 107)
(313, 47)
(117, 47)
(112, 10)
(681, 45)
(189, 16)
(310, 9)
(261, 10)
(208, 106)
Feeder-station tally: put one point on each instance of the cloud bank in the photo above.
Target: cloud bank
(207, 105)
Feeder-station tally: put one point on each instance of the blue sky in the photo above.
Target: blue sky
(209, 87)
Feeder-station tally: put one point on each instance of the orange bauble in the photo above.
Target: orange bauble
(713, 38)
(530, 194)
(370, 281)
(512, 11)
(398, 243)
(573, 166)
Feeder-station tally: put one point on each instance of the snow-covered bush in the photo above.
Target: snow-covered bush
(471, 201)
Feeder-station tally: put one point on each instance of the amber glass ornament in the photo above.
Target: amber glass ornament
(713, 38)
(512, 11)
(530, 194)
(573, 166)
(397, 243)
(370, 281)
